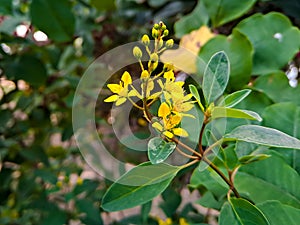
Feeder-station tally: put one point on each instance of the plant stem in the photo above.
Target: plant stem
(186, 155)
(222, 175)
(186, 147)
(201, 151)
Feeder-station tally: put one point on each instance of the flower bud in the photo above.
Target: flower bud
(160, 43)
(156, 26)
(137, 52)
(163, 27)
(155, 33)
(166, 32)
(145, 40)
(145, 74)
(154, 57)
(169, 43)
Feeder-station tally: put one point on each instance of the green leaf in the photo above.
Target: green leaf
(269, 179)
(192, 21)
(208, 200)
(57, 19)
(275, 46)
(278, 213)
(145, 210)
(271, 84)
(235, 98)
(240, 70)
(263, 136)
(215, 77)
(224, 11)
(223, 112)
(285, 117)
(210, 180)
(138, 186)
(6, 7)
(253, 158)
(159, 150)
(90, 211)
(195, 93)
(28, 68)
(240, 211)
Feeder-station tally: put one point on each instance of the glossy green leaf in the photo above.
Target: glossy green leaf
(271, 84)
(208, 200)
(215, 77)
(235, 98)
(240, 211)
(253, 158)
(269, 179)
(195, 93)
(240, 70)
(159, 150)
(285, 117)
(223, 112)
(224, 11)
(192, 21)
(138, 186)
(263, 136)
(275, 46)
(56, 20)
(279, 214)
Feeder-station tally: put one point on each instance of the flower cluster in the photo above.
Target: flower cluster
(175, 103)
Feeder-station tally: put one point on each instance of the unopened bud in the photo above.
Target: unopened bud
(163, 27)
(160, 43)
(156, 26)
(169, 43)
(145, 40)
(154, 57)
(154, 33)
(137, 52)
(145, 74)
(166, 32)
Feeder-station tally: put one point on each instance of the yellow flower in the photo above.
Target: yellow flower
(167, 222)
(121, 91)
(170, 122)
(175, 95)
(182, 221)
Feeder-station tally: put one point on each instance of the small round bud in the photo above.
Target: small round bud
(163, 27)
(154, 33)
(169, 43)
(145, 40)
(166, 32)
(145, 74)
(160, 43)
(137, 52)
(154, 57)
(156, 26)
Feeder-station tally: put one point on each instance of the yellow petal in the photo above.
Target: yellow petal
(180, 132)
(179, 83)
(145, 74)
(120, 101)
(126, 78)
(112, 98)
(169, 75)
(175, 120)
(164, 110)
(115, 88)
(157, 126)
(133, 93)
(168, 134)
